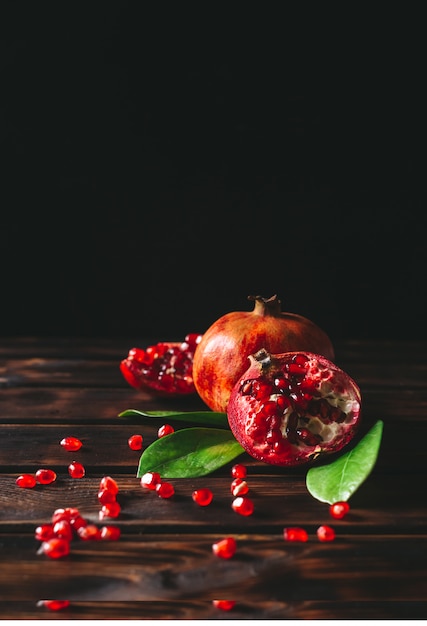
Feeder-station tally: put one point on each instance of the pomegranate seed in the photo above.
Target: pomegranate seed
(45, 476)
(325, 533)
(338, 510)
(78, 522)
(76, 470)
(165, 490)
(135, 442)
(63, 529)
(295, 534)
(239, 471)
(112, 509)
(110, 533)
(105, 496)
(203, 496)
(239, 487)
(54, 605)
(224, 605)
(109, 483)
(69, 514)
(225, 548)
(44, 532)
(90, 532)
(164, 430)
(55, 548)
(150, 480)
(71, 444)
(26, 481)
(243, 506)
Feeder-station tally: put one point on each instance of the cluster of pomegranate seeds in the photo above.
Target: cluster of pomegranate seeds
(43, 476)
(164, 430)
(71, 444)
(163, 367)
(66, 525)
(224, 605)
(239, 488)
(203, 496)
(225, 548)
(54, 605)
(154, 482)
(338, 510)
(107, 498)
(135, 442)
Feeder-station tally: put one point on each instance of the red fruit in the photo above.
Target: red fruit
(295, 534)
(63, 529)
(26, 481)
(45, 476)
(44, 532)
(239, 471)
(165, 368)
(105, 496)
(203, 496)
(289, 408)
(221, 357)
(224, 605)
(150, 480)
(71, 444)
(110, 533)
(165, 490)
(55, 548)
(111, 509)
(225, 548)
(164, 430)
(338, 510)
(109, 483)
(135, 442)
(239, 487)
(90, 532)
(54, 605)
(325, 533)
(243, 506)
(76, 470)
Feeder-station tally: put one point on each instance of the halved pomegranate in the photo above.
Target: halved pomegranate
(289, 408)
(165, 368)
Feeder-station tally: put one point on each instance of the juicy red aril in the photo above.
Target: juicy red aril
(54, 605)
(105, 496)
(239, 487)
(239, 471)
(90, 532)
(203, 496)
(165, 490)
(224, 605)
(45, 476)
(69, 514)
(338, 510)
(225, 548)
(135, 442)
(164, 430)
(150, 480)
(325, 533)
(109, 483)
(55, 548)
(71, 443)
(26, 481)
(112, 509)
(295, 534)
(243, 506)
(63, 529)
(76, 470)
(44, 532)
(110, 533)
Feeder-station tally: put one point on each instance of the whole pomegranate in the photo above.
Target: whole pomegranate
(165, 368)
(221, 357)
(289, 408)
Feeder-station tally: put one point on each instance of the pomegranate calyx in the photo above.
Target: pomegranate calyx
(266, 306)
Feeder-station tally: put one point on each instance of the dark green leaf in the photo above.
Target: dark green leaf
(200, 417)
(338, 480)
(189, 452)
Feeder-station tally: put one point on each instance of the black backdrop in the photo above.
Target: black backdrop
(160, 166)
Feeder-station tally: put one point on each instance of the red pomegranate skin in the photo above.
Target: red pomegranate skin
(288, 409)
(222, 355)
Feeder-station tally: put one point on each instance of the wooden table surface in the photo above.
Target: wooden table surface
(162, 567)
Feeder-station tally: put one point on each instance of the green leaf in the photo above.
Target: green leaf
(338, 480)
(200, 417)
(189, 452)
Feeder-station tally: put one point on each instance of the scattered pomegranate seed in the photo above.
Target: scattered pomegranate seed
(105, 496)
(165, 490)
(203, 496)
(78, 522)
(110, 533)
(150, 480)
(90, 532)
(26, 481)
(45, 476)
(135, 442)
(325, 533)
(164, 430)
(63, 529)
(239, 487)
(55, 548)
(109, 483)
(239, 471)
(69, 514)
(112, 509)
(225, 548)
(224, 605)
(76, 470)
(295, 534)
(243, 506)
(338, 510)
(54, 605)
(44, 532)
(71, 444)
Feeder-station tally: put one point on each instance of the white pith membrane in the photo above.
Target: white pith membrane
(332, 386)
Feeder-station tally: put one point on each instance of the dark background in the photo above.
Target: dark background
(158, 166)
